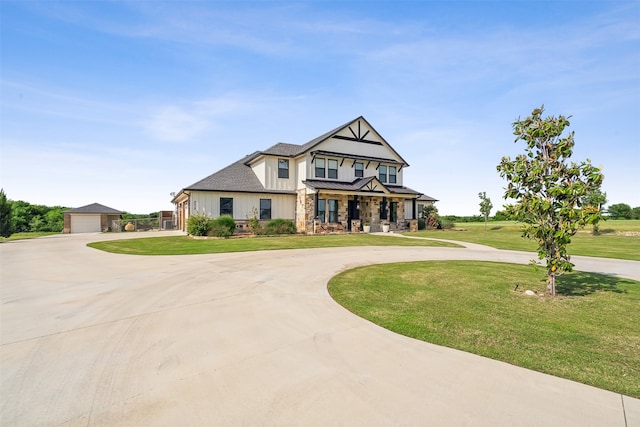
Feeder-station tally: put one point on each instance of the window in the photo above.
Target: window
(319, 168)
(394, 212)
(265, 208)
(382, 173)
(333, 169)
(333, 210)
(359, 169)
(392, 174)
(383, 208)
(226, 206)
(322, 210)
(283, 168)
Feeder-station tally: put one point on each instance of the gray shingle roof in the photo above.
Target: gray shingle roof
(95, 208)
(235, 177)
(425, 198)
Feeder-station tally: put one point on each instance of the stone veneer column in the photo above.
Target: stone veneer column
(301, 217)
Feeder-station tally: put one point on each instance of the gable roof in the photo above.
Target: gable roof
(239, 177)
(94, 208)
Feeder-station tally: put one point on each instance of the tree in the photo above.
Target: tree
(430, 215)
(485, 207)
(5, 215)
(548, 189)
(636, 212)
(620, 211)
(595, 199)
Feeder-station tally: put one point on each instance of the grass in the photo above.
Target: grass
(590, 334)
(611, 243)
(183, 245)
(30, 235)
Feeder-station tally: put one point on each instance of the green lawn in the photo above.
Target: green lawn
(590, 334)
(611, 243)
(30, 235)
(183, 245)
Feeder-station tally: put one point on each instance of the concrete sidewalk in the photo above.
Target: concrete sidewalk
(91, 338)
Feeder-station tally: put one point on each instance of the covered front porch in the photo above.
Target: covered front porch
(335, 211)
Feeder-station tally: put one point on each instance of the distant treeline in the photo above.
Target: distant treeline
(615, 211)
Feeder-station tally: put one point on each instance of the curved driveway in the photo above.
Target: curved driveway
(91, 338)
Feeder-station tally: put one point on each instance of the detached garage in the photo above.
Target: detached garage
(93, 218)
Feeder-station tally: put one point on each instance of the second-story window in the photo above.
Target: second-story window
(333, 169)
(320, 168)
(283, 168)
(382, 173)
(359, 169)
(392, 175)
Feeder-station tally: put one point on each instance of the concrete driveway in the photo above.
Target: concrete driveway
(91, 338)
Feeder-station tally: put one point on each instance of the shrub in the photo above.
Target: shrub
(421, 224)
(254, 223)
(199, 224)
(223, 226)
(280, 226)
(446, 224)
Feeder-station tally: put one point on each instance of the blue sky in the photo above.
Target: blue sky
(122, 103)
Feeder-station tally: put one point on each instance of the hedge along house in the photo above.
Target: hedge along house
(336, 182)
(93, 218)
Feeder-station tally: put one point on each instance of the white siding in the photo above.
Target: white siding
(408, 209)
(271, 180)
(258, 169)
(302, 171)
(359, 148)
(282, 205)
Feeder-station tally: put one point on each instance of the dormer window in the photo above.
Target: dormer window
(320, 168)
(382, 173)
(283, 168)
(333, 169)
(392, 175)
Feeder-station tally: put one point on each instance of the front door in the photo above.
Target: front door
(353, 212)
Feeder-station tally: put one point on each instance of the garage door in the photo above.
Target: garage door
(85, 223)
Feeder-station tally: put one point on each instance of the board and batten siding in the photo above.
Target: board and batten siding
(269, 177)
(282, 205)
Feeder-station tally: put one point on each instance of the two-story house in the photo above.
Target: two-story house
(336, 182)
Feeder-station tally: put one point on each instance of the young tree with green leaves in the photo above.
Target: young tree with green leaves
(548, 189)
(5, 215)
(485, 207)
(595, 199)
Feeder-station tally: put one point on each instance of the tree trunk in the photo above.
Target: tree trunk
(551, 284)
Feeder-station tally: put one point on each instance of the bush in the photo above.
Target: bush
(421, 224)
(199, 224)
(446, 224)
(254, 223)
(280, 226)
(223, 226)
